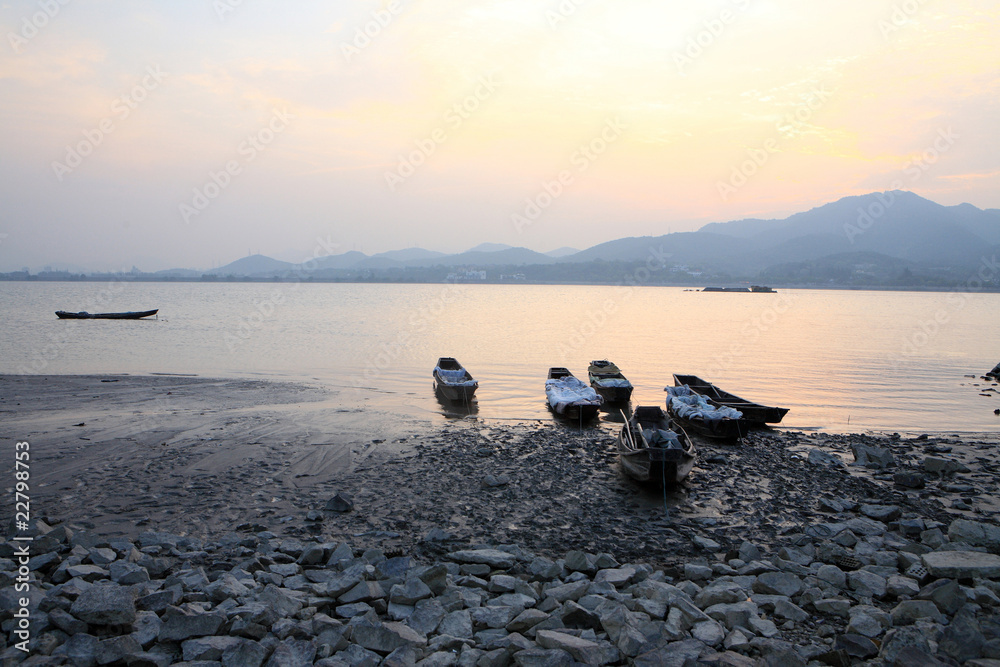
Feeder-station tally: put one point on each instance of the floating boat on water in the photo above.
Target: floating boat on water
(452, 381)
(609, 382)
(569, 397)
(695, 412)
(83, 315)
(753, 412)
(756, 289)
(653, 448)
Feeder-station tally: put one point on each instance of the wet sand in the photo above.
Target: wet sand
(197, 456)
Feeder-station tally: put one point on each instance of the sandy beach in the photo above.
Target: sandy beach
(117, 454)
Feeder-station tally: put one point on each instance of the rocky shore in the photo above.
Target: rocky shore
(887, 590)
(213, 533)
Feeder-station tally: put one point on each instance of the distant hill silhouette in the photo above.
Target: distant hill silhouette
(892, 238)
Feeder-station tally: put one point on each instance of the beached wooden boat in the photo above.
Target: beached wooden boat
(83, 315)
(696, 414)
(569, 397)
(609, 382)
(753, 412)
(654, 448)
(452, 381)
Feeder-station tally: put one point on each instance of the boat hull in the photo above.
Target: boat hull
(453, 382)
(576, 411)
(753, 412)
(719, 429)
(138, 315)
(613, 394)
(457, 393)
(655, 465)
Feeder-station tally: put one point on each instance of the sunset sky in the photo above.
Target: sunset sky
(187, 133)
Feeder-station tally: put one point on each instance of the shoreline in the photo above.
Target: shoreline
(243, 492)
(142, 450)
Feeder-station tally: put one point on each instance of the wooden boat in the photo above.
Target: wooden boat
(83, 315)
(569, 397)
(653, 448)
(452, 381)
(609, 382)
(695, 413)
(753, 412)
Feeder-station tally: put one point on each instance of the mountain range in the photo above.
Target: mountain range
(879, 238)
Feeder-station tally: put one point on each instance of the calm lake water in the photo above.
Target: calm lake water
(841, 360)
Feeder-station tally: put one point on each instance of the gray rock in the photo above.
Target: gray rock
(244, 654)
(735, 614)
(856, 646)
(833, 606)
(108, 604)
(293, 653)
(899, 586)
(937, 465)
(898, 639)
(788, 610)
(908, 612)
(819, 457)
(364, 591)
(116, 649)
(494, 558)
(585, 651)
(946, 594)
(872, 457)
(146, 628)
(695, 572)
(209, 648)
(864, 625)
(832, 575)
(578, 561)
(778, 583)
(410, 592)
(710, 633)
(962, 564)
(385, 638)
(963, 639)
(867, 583)
(676, 654)
(538, 657)
(426, 616)
(456, 624)
(975, 534)
(179, 625)
(883, 513)
(341, 502)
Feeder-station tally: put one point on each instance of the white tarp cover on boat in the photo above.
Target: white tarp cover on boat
(565, 391)
(690, 405)
(454, 378)
(613, 382)
(660, 438)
